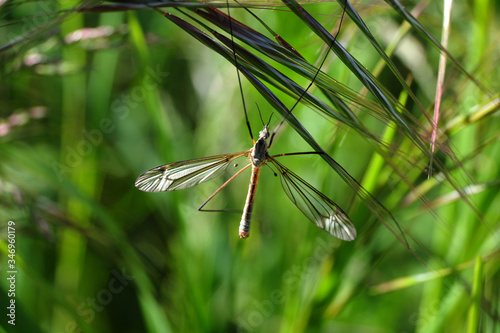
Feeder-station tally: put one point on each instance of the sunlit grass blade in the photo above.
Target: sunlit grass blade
(166, 97)
(374, 205)
(332, 89)
(361, 73)
(473, 320)
(351, 11)
(257, 67)
(420, 28)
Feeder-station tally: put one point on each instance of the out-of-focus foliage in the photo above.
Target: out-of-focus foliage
(91, 96)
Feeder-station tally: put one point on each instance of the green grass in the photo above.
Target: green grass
(81, 120)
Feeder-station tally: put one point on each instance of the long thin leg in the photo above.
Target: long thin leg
(238, 71)
(290, 154)
(240, 171)
(218, 190)
(312, 81)
(300, 153)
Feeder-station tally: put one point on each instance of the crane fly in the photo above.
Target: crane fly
(318, 208)
(312, 203)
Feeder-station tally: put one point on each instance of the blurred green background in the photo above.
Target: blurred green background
(90, 101)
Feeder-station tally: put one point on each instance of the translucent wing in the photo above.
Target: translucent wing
(316, 206)
(184, 174)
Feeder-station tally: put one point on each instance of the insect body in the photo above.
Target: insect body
(258, 157)
(316, 206)
(313, 204)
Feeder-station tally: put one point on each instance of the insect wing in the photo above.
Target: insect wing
(316, 206)
(184, 174)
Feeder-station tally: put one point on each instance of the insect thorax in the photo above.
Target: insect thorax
(259, 151)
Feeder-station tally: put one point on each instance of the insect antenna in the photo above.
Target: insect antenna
(269, 119)
(260, 114)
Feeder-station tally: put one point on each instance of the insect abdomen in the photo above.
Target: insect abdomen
(247, 211)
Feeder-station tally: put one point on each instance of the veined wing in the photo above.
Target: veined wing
(184, 174)
(315, 205)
